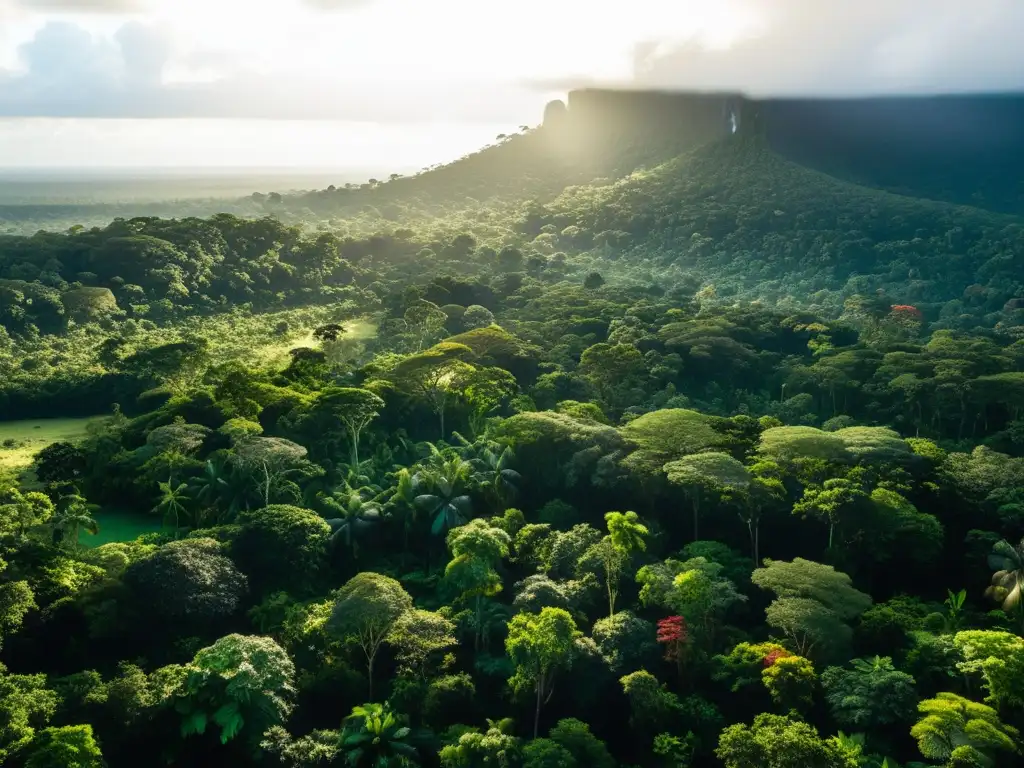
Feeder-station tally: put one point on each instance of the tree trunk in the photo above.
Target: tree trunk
(355, 449)
(831, 531)
(369, 674)
(479, 624)
(696, 518)
(757, 544)
(266, 488)
(440, 413)
(536, 713)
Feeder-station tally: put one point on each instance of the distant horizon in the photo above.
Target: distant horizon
(157, 171)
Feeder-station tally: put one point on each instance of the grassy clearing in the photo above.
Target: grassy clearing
(359, 329)
(21, 440)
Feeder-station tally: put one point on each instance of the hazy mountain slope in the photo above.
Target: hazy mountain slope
(740, 213)
(962, 149)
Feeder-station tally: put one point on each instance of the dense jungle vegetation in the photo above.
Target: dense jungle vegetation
(671, 454)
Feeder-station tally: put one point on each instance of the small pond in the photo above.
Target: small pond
(120, 525)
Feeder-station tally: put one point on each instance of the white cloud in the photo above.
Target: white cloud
(465, 60)
(806, 47)
(83, 6)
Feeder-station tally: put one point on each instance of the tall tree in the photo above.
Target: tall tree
(434, 376)
(813, 605)
(365, 610)
(610, 556)
(477, 549)
(539, 645)
(350, 407)
(715, 475)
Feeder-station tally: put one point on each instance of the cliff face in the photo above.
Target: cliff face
(966, 149)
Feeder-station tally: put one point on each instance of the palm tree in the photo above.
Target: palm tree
(448, 502)
(220, 489)
(376, 737)
(356, 513)
(172, 501)
(1008, 579)
(74, 515)
(401, 504)
(495, 474)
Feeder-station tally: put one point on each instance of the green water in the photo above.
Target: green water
(120, 526)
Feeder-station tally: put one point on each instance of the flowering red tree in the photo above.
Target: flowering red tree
(906, 311)
(674, 635)
(773, 656)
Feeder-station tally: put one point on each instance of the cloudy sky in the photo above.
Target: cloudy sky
(408, 83)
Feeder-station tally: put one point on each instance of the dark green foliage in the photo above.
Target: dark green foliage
(279, 547)
(190, 580)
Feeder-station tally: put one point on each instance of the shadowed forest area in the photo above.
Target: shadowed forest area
(678, 431)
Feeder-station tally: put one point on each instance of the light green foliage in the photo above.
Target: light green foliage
(586, 749)
(495, 747)
(365, 609)
(25, 705)
(674, 751)
(666, 435)
(791, 681)
(813, 604)
(998, 657)
(609, 557)
(787, 445)
(345, 409)
(876, 445)
(744, 665)
(316, 748)
(962, 731)
(72, 746)
(239, 683)
(20, 512)
(653, 707)
(539, 645)
(478, 547)
(16, 600)
(871, 693)
(694, 589)
(775, 741)
(837, 499)
(480, 540)
(433, 376)
(626, 532)
(546, 753)
(419, 638)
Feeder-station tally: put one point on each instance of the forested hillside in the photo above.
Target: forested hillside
(675, 453)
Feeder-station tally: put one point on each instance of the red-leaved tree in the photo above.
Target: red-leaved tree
(674, 635)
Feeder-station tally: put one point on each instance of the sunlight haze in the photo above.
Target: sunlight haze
(422, 68)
